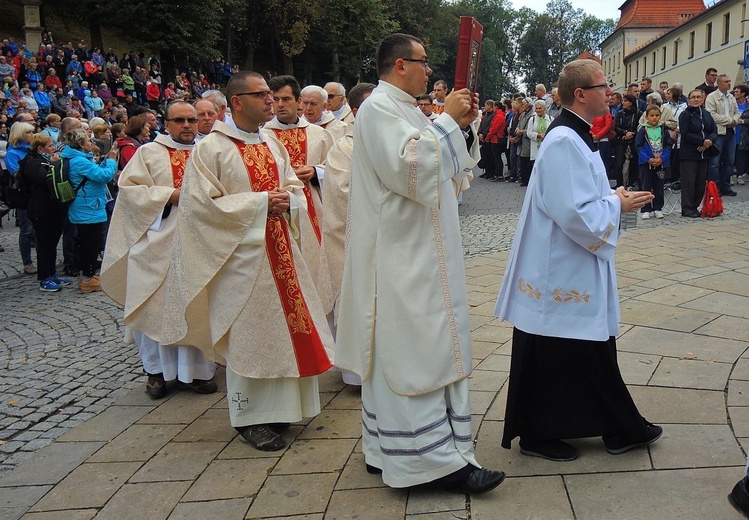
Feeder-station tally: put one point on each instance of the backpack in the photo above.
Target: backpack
(712, 204)
(18, 193)
(58, 182)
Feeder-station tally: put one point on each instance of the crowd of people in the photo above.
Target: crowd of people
(347, 242)
(648, 140)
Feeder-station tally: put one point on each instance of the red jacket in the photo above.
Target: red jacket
(498, 129)
(153, 92)
(602, 125)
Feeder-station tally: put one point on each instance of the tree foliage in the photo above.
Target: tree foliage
(324, 40)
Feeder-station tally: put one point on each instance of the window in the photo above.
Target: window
(708, 37)
(644, 65)
(676, 52)
(652, 66)
(726, 28)
(663, 58)
(691, 45)
(743, 17)
(637, 69)
(618, 60)
(629, 74)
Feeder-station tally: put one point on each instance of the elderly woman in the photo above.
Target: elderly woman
(698, 133)
(677, 106)
(538, 124)
(668, 119)
(88, 209)
(18, 148)
(46, 214)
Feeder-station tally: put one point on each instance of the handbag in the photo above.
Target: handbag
(712, 152)
(4, 209)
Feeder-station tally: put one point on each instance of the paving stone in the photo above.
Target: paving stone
(347, 399)
(726, 327)
(225, 479)
(178, 461)
(663, 317)
(724, 303)
(315, 456)
(739, 416)
(431, 499)
(182, 408)
(485, 380)
(647, 340)
(732, 282)
(107, 425)
(669, 495)
(293, 495)
(72, 514)
(50, 464)
(152, 501)
(691, 373)
(495, 363)
(100, 482)
(355, 476)
(367, 504)
(15, 501)
(685, 446)
(223, 509)
(334, 424)
(139, 442)
(539, 498)
(637, 369)
(663, 405)
(212, 426)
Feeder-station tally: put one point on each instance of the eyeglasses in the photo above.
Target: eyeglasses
(181, 120)
(590, 87)
(260, 94)
(425, 104)
(424, 62)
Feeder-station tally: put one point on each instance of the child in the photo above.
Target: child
(653, 145)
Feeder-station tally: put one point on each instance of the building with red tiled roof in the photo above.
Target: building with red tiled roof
(587, 55)
(711, 37)
(640, 22)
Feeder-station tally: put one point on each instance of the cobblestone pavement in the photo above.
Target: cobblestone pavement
(66, 375)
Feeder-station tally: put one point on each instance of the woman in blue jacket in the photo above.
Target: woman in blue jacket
(88, 209)
(18, 147)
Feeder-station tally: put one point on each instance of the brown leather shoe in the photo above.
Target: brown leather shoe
(92, 285)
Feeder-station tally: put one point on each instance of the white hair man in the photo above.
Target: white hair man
(224, 114)
(337, 102)
(314, 99)
(138, 254)
(541, 93)
(208, 112)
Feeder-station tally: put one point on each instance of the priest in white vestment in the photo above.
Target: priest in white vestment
(335, 192)
(403, 324)
(239, 288)
(338, 104)
(314, 99)
(308, 146)
(559, 290)
(138, 253)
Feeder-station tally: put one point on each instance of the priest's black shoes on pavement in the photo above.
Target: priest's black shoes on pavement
(261, 436)
(739, 497)
(617, 444)
(199, 386)
(477, 482)
(156, 386)
(555, 450)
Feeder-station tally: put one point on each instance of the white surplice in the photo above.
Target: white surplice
(403, 323)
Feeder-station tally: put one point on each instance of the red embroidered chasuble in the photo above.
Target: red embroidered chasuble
(178, 161)
(295, 142)
(311, 357)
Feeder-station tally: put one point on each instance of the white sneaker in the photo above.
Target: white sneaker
(733, 180)
(646, 215)
(740, 180)
(658, 214)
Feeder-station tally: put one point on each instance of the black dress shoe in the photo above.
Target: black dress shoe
(617, 445)
(279, 427)
(199, 386)
(372, 470)
(156, 386)
(739, 497)
(729, 193)
(691, 215)
(477, 482)
(555, 450)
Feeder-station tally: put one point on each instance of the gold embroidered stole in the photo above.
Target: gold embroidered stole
(311, 357)
(295, 142)
(178, 161)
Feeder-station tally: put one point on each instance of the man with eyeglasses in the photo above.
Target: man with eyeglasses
(239, 288)
(314, 100)
(337, 103)
(559, 290)
(710, 85)
(403, 324)
(308, 146)
(138, 253)
(427, 107)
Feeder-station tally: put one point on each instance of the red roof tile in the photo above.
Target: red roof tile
(587, 55)
(658, 13)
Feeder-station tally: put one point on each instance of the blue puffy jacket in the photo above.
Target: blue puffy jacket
(89, 206)
(15, 155)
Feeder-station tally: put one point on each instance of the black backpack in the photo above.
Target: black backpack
(18, 193)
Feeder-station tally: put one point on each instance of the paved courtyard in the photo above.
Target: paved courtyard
(80, 439)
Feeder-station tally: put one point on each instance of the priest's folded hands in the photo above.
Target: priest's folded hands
(633, 200)
(278, 201)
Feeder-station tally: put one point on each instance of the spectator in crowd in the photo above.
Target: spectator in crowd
(709, 85)
(725, 112)
(698, 134)
(673, 96)
(555, 108)
(633, 89)
(625, 168)
(102, 138)
(53, 127)
(538, 124)
(94, 104)
(46, 214)
(497, 138)
(19, 139)
(52, 81)
(653, 145)
(88, 209)
(646, 88)
(741, 92)
(487, 160)
(663, 88)
(153, 94)
(137, 132)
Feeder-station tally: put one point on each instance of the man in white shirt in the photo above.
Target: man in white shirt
(559, 290)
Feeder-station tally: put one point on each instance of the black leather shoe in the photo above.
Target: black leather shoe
(555, 450)
(739, 497)
(729, 193)
(199, 386)
(477, 482)
(373, 470)
(617, 446)
(279, 427)
(156, 386)
(691, 215)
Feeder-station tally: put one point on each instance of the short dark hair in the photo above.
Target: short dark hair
(650, 81)
(743, 88)
(359, 93)
(710, 70)
(238, 82)
(618, 96)
(172, 104)
(630, 98)
(391, 48)
(676, 92)
(425, 97)
(276, 83)
(441, 82)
